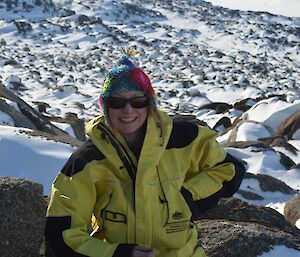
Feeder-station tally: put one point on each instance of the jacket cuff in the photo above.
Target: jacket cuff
(187, 195)
(124, 250)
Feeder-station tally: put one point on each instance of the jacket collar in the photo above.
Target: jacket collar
(155, 142)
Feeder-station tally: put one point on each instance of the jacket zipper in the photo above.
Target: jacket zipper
(131, 169)
(163, 201)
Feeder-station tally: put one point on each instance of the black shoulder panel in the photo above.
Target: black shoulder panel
(82, 156)
(183, 133)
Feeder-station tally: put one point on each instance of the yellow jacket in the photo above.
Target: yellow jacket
(181, 171)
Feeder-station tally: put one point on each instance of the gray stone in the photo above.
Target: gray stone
(222, 238)
(22, 212)
(292, 210)
(234, 228)
(290, 125)
(23, 26)
(270, 184)
(250, 195)
(83, 19)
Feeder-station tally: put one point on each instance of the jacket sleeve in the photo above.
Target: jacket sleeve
(69, 217)
(213, 174)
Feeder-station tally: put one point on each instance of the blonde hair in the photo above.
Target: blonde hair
(153, 111)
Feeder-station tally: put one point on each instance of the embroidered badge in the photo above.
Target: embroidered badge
(177, 226)
(177, 215)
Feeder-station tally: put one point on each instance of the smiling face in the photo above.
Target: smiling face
(128, 120)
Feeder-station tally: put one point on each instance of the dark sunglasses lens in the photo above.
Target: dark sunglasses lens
(139, 102)
(135, 102)
(116, 102)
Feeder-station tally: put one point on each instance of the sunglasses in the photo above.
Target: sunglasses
(135, 102)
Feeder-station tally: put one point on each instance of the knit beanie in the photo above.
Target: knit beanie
(125, 76)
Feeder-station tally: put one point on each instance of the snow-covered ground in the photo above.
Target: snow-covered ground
(289, 8)
(31, 157)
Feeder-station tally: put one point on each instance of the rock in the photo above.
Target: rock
(15, 83)
(19, 120)
(244, 105)
(42, 107)
(243, 82)
(13, 79)
(218, 107)
(290, 125)
(222, 238)
(22, 211)
(83, 19)
(286, 161)
(292, 210)
(33, 115)
(244, 144)
(271, 184)
(38, 2)
(23, 26)
(64, 138)
(222, 124)
(78, 125)
(189, 118)
(279, 142)
(218, 54)
(193, 92)
(66, 12)
(238, 122)
(11, 62)
(187, 84)
(97, 20)
(234, 229)
(250, 195)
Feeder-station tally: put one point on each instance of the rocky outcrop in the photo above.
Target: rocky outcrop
(270, 184)
(266, 184)
(22, 211)
(28, 117)
(292, 210)
(33, 115)
(290, 125)
(189, 118)
(234, 229)
(231, 229)
(23, 27)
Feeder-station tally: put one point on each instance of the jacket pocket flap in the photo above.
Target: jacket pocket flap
(115, 216)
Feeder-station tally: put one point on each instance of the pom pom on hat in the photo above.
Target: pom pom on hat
(125, 76)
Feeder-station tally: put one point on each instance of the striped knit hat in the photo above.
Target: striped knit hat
(125, 76)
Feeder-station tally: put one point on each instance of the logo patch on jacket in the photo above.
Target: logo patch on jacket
(177, 226)
(177, 215)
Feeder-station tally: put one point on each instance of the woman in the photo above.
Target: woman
(141, 177)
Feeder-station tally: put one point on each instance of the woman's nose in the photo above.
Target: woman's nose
(127, 108)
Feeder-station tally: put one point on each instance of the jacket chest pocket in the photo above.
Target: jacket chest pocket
(114, 221)
(114, 226)
(114, 216)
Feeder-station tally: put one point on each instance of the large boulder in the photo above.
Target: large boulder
(292, 210)
(290, 125)
(234, 228)
(22, 212)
